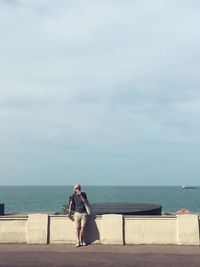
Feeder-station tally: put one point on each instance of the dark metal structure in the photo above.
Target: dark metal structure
(2, 208)
(126, 208)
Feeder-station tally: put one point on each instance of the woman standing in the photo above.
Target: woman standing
(78, 200)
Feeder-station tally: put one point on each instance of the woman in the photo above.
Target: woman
(78, 200)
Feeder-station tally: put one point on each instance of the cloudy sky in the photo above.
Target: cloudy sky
(103, 92)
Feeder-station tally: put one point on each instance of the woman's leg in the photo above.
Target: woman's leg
(82, 230)
(77, 234)
(81, 235)
(77, 220)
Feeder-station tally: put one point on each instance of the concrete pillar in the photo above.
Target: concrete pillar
(112, 229)
(188, 229)
(37, 229)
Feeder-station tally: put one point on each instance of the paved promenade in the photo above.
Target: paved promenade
(99, 255)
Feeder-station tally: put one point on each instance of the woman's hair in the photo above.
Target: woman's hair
(76, 186)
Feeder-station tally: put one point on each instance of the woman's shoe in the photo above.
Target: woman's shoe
(77, 245)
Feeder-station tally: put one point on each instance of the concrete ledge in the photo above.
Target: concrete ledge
(105, 229)
(188, 229)
(150, 230)
(13, 230)
(62, 230)
(112, 229)
(37, 229)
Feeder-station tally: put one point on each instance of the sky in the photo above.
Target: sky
(102, 92)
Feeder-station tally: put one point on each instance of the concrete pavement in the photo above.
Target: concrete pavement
(13, 255)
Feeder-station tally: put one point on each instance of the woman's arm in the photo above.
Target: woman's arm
(70, 207)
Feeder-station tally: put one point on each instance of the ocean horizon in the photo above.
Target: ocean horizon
(51, 198)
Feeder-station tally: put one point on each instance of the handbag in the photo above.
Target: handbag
(88, 208)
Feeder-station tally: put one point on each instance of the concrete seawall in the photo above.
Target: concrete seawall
(183, 229)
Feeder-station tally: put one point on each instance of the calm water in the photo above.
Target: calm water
(52, 198)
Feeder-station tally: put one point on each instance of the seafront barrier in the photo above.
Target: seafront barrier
(183, 229)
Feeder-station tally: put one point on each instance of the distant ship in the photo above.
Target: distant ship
(189, 187)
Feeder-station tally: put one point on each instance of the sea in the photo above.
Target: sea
(51, 199)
